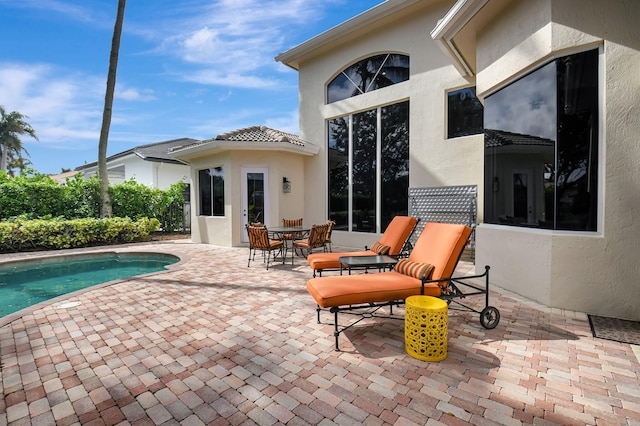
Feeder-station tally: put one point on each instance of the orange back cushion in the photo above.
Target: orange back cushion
(441, 244)
(397, 233)
(292, 222)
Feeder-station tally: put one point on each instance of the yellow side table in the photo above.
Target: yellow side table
(426, 325)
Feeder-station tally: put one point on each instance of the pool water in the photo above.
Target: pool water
(25, 283)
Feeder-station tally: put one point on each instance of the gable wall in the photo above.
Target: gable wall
(434, 160)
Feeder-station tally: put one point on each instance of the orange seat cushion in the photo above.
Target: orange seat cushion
(341, 290)
(394, 237)
(439, 245)
(321, 261)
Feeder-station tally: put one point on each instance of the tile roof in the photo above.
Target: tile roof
(496, 138)
(251, 135)
(158, 151)
(260, 134)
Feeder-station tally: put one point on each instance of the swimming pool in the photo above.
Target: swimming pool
(27, 282)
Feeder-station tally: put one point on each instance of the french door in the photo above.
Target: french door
(255, 196)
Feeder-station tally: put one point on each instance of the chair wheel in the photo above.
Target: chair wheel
(489, 317)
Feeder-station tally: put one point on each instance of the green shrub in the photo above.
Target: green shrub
(36, 213)
(39, 196)
(46, 234)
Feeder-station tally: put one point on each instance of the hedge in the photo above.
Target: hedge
(58, 233)
(36, 195)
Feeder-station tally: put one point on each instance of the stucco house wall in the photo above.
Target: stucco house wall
(228, 230)
(497, 42)
(595, 272)
(256, 149)
(434, 160)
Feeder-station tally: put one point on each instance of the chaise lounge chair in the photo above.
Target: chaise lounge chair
(427, 271)
(391, 243)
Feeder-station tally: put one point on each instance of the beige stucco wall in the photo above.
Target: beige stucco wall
(229, 230)
(594, 272)
(435, 161)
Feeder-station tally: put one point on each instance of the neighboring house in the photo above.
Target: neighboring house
(247, 175)
(400, 96)
(150, 165)
(61, 178)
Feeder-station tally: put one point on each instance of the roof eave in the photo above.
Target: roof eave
(218, 146)
(448, 27)
(291, 57)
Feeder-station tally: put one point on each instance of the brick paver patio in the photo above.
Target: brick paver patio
(215, 342)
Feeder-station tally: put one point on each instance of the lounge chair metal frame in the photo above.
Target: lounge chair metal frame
(456, 288)
(450, 288)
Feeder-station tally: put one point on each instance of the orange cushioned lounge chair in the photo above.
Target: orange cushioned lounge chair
(391, 243)
(427, 271)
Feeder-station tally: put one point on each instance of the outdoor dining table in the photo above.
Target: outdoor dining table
(296, 232)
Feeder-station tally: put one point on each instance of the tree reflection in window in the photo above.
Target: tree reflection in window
(368, 164)
(367, 75)
(464, 113)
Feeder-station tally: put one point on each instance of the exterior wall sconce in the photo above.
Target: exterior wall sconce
(286, 185)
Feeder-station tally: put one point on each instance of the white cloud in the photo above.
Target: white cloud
(82, 13)
(233, 42)
(60, 107)
(133, 94)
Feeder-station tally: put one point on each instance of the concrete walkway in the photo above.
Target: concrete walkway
(214, 342)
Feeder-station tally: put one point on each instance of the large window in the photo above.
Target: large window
(541, 147)
(464, 113)
(369, 168)
(367, 75)
(211, 187)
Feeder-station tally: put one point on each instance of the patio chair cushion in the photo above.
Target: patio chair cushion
(397, 232)
(439, 245)
(394, 237)
(344, 290)
(320, 261)
(413, 269)
(379, 248)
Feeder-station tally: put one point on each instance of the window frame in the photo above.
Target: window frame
(216, 209)
(468, 130)
(597, 130)
(380, 211)
(343, 76)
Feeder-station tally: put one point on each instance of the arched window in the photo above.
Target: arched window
(368, 75)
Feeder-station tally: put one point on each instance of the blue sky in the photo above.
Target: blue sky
(192, 68)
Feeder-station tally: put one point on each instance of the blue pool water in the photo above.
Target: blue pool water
(25, 283)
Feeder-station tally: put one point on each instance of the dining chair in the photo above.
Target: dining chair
(316, 239)
(292, 222)
(327, 240)
(259, 240)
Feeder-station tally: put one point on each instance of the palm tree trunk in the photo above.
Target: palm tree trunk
(105, 206)
(3, 157)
